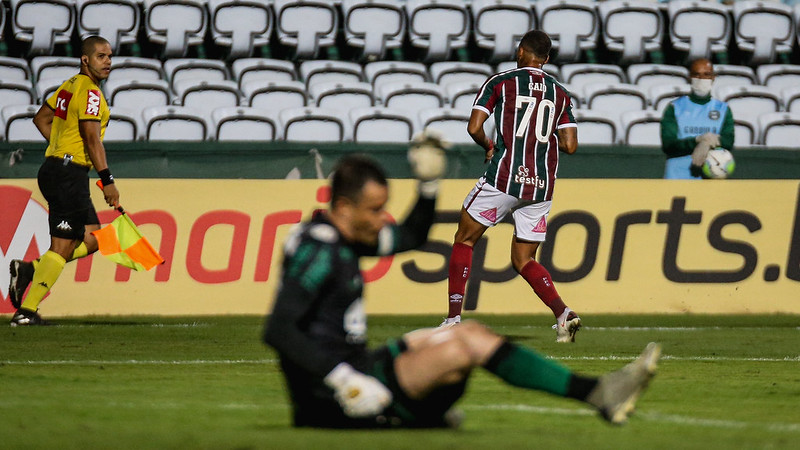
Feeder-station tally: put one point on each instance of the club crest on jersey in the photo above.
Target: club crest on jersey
(523, 177)
(93, 103)
(62, 103)
(541, 227)
(490, 215)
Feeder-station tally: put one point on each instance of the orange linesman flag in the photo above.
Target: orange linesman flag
(123, 243)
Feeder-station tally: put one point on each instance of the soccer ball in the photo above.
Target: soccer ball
(719, 164)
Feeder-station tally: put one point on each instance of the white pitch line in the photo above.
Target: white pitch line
(137, 362)
(678, 358)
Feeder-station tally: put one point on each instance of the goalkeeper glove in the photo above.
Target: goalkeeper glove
(428, 160)
(705, 142)
(359, 395)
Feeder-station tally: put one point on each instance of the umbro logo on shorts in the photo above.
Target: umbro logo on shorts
(64, 226)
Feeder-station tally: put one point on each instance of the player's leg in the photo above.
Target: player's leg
(468, 232)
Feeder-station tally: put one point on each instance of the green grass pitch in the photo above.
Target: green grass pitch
(724, 382)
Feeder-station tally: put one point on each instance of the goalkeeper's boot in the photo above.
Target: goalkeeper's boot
(450, 321)
(24, 317)
(616, 393)
(567, 325)
(21, 276)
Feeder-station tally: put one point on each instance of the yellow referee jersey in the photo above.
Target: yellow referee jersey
(78, 99)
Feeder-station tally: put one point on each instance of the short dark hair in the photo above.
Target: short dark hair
(351, 174)
(536, 42)
(89, 44)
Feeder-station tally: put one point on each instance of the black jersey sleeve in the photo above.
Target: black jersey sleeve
(410, 234)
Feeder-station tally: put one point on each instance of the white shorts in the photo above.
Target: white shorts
(489, 206)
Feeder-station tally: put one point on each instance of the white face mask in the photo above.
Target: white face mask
(701, 87)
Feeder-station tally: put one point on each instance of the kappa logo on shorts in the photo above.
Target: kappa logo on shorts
(490, 215)
(93, 103)
(64, 226)
(541, 227)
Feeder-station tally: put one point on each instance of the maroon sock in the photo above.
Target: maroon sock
(541, 282)
(460, 263)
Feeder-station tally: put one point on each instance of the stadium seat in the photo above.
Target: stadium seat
(763, 29)
(16, 92)
(461, 94)
(596, 127)
(115, 20)
(450, 122)
(175, 25)
(240, 26)
(699, 28)
(54, 67)
(411, 96)
(342, 96)
(263, 69)
(136, 95)
(661, 95)
(750, 99)
(438, 27)
(641, 128)
(207, 95)
(45, 87)
(580, 74)
(321, 71)
(374, 26)
(616, 97)
(746, 130)
(779, 129)
(175, 123)
(124, 125)
(790, 98)
(42, 23)
(498, 25)
(245, 124)
(573, 26)
(446, 72)
(551, 69)
(314, 125)
(275, 95)
(135, 68)
(380, 72)
(18, 123)
(631, 28)
(14, 68)
(379, 124)
(779, 75)
(727, 74)
(648, 75)
(178, 69)
(306, 26)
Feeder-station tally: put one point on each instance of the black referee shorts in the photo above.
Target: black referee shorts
(66, 189)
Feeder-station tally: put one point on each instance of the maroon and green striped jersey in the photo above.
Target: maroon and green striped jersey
(528, 106)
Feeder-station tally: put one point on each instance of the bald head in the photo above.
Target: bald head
(701, 68)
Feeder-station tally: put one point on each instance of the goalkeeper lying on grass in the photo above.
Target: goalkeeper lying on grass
(319, 328)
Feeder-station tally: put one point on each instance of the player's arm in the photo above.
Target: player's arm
(568, 139)
(726, 135)
(670, 144)
(43, 120)
(90, 133)
(475, 130)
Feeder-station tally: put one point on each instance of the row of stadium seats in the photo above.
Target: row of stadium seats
(630, 29)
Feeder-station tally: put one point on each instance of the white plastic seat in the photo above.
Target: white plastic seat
(245, 124)
(379, 124)
(45, 87)
(746, 131)
(641, 128)
(321, 71)
(498, 25)
(275, 95)
(446, 72)
(461, 94)
(137, 94)
(135, 68)
(438, 27)
(699, 28)
(374, 26)
(42, 23)
(175, 123)
(580, 74)
(648, 75)
(306, 26)
(124, 125)
(14, 68)
(54, 67)
(411, 96)
(596, 127)
(207, 95)
(573, 26)
(550, 69)
(779, 75)
(380, 72)
(18, 123)
(263, 69)
(728, 74)
(175, 25)
(311, 124)
(618, 97)
(661, 95)
(342, 96)
(750, 99)
(779, 129)
(240, 26)
(450, 122)
(178, 69)
(115, 20)
(631, 28)
(763, 29)
(790, 97)
(16, 92)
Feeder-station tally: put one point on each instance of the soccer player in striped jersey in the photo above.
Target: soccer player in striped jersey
(533, 117)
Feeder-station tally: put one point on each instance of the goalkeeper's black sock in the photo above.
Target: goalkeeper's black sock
(580, 387)
(523, 367)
